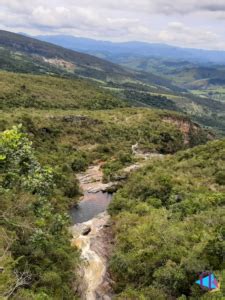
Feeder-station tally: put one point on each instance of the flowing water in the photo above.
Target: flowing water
(89, 219)
(91, 205)
(94, 269)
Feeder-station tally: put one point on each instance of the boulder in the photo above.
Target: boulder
(86, 230)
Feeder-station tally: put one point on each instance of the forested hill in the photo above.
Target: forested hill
(170, 226)
(42, 57)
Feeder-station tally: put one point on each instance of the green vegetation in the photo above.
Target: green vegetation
(154, 83)
(74, 139)
(42, 57)
(145, 89)
(38, 185)
(184, 74)
(18, 62)
(200, 88)
(37, 260)
(170, 226)
(49, 92)
(68, 123)
(19, 90)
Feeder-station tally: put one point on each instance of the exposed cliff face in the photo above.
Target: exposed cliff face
(193, 133)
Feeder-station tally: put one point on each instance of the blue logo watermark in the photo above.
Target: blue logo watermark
(208, 281)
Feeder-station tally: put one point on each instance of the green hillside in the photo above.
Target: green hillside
(205, 80)
(170, 226)
(38, 183)
(20, 90)
(100, 134)
(152, 89)
(41, 57)
(42, 91)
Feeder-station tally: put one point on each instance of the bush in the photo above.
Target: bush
(34, 234)
(80, 162)
(169, 226)
(220, 178)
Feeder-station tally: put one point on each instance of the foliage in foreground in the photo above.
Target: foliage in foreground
(170, 226)
(37, 261)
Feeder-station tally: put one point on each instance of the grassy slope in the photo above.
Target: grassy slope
(20, 90)
(205, 85)
(170, 226)
(23, 90)
(23, 54)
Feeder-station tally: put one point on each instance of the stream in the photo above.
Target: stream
(91, 205)
(91, 234)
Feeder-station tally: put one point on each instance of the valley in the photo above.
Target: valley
(112, 181)
(161, 85)
(197, 74)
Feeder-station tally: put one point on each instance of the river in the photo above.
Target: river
(91, 234)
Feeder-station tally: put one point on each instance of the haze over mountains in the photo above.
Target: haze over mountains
(73, 62)
(111, 51)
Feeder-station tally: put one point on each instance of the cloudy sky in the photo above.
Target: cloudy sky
(187, 23)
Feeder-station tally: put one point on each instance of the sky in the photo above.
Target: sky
(185, 23)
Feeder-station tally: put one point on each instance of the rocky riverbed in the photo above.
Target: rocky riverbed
(94, 240)
(92, 232)
(93, 236)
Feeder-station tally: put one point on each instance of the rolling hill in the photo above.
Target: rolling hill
(43, 57)
(199, 71)
(205, 80)
(113, 83)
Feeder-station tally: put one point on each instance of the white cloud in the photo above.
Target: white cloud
(192, 23)
(177, 33)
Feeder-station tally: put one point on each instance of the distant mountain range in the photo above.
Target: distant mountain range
(41, 57)
(199, 71)
(141, 81)
(111, 51)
